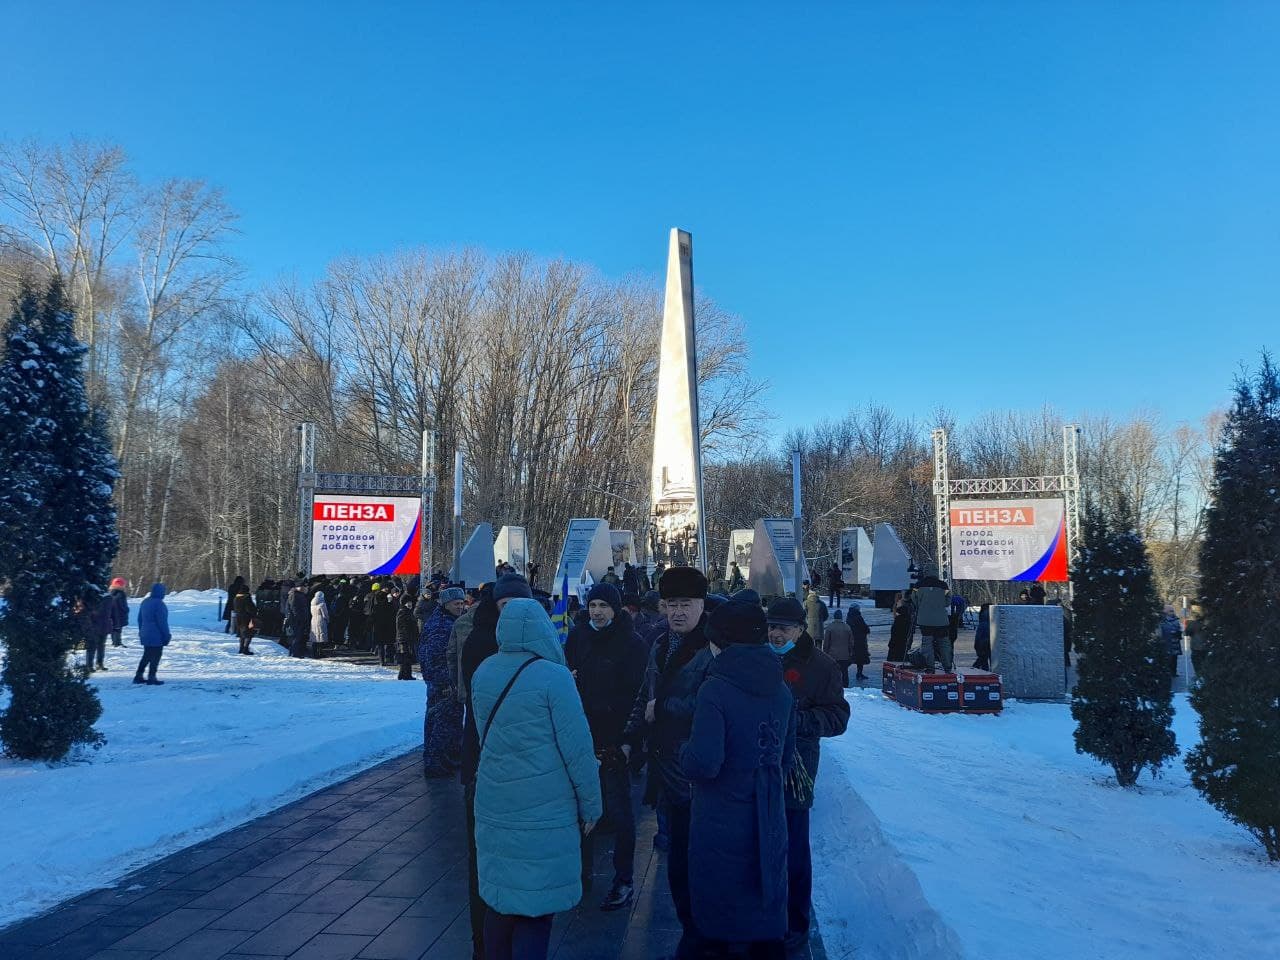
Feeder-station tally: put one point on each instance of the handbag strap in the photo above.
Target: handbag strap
(502, 696)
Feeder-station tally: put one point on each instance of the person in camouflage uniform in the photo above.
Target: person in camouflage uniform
(442, 725)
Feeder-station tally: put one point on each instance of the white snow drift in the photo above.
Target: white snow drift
(226, 739)
(989, 837)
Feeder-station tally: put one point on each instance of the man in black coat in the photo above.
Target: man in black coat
(608, 662)
(299, 601)
(678, 664)
(821, 711)
(340, 613)
(384, 623)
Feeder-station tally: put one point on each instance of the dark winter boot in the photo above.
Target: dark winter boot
(138, 679)
(620, 896)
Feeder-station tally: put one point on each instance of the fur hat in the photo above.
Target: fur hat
(788, 612)
(450, 594)
(737, 622)
(608, 593)
(687, 583)
(747, 595)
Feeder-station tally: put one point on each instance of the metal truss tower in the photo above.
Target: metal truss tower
(944, 488)
(1071, 487)
(942, 503)
(311, 482)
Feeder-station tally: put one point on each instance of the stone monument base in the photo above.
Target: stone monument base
(1026, 650)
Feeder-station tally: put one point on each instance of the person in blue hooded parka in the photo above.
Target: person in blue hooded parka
(743, 738)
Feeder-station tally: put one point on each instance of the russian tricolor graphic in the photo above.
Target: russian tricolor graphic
(1052, 567)
(408, 558)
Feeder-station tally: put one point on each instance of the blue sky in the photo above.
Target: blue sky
(968, 204)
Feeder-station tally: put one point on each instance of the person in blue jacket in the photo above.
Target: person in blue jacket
(743, 738)
(153, 634)
(537, 784)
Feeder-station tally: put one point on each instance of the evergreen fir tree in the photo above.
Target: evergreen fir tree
(1122, 701)
(57, 524)
(1237, 763)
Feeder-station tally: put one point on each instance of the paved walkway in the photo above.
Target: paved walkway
(373, 868)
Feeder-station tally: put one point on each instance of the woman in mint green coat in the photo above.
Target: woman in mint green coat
(537, 786)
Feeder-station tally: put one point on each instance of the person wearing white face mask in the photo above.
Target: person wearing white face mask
(821, 711)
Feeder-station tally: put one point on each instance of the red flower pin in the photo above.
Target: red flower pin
(792, 677)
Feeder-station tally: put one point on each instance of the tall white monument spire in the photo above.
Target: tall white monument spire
(678, 534)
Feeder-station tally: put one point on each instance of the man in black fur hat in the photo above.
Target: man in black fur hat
(678, 663)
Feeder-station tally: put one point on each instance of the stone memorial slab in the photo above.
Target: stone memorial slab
(773, 563)
(855, 556)
(587, 553)
(1026, 650)
(740, 551)
(889, 561)
(476, 564)
(512, 546)
(623, 544)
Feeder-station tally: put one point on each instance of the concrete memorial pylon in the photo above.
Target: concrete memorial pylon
(585, 556)
(855, 556)
(623, 544)
(512, 546)
(475, 564)
(890, 565)
(677, 527)
(773, 559)
(740, 551)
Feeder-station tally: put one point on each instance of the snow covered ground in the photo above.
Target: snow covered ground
(988, 837)
(226, 739)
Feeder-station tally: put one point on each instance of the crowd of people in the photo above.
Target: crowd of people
(709, 707)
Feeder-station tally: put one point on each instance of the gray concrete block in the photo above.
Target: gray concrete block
(1026, 650)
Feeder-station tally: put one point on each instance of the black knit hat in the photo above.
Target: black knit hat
(511, 585)
(608, 593)
(787, 612)
(737, 622)
(687, 583)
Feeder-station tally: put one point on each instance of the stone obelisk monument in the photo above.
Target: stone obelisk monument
(677, 531)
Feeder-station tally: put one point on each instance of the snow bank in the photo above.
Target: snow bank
(226, 739)
(963, 836)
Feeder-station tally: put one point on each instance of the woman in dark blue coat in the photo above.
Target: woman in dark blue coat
(743, 737)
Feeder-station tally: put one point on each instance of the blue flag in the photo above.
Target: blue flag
(560, 613)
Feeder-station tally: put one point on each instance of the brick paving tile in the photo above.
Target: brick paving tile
(370, 916)
(406, 938)
(310, 879)
(205, 945)
(374, 868)
(168, 930)
(84, 942)
(258, 912)
(282, 937)
(233, 893)
(331, 946)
